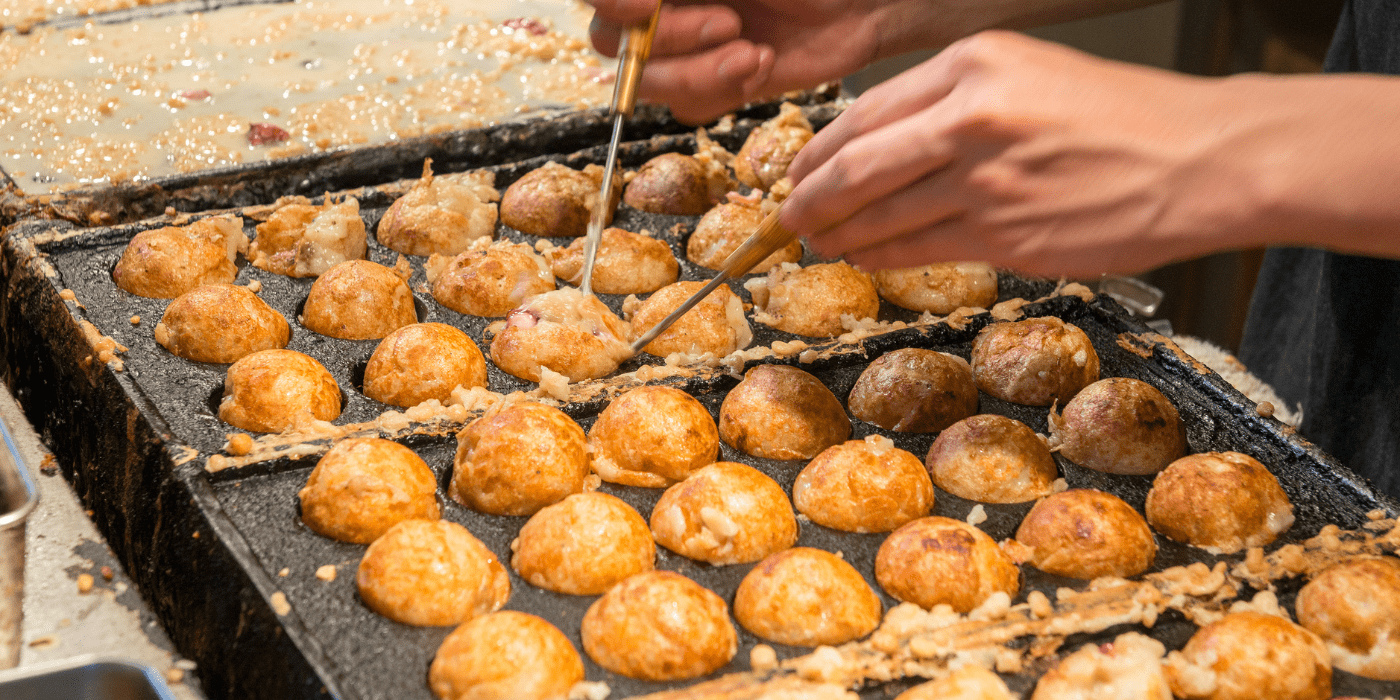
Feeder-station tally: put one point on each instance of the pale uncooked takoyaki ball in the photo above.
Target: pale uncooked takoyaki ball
(519, 460)
(1036, 362)
(489, 280)
(220, 323)
(166, 262)
(716, 325)
(270, 391)
(780, 412)
(301, 239)
(357, 300)
(566, 331)
(806, 597)
(627, 263)
(423, 361)
(363, 486)
(1220, 501)
(724, 228)
(441, 215)
(939, 288)
(505, 655)
(1354, 607)
(971, 682)
(652, 436)
(912, 390)
(1119, 426)
(726, 513)
(1248, 656)
(659, 626)
(992, 459)
(940, 561)
(1129, 667)
(770, 148)
(554, 200)
(675, 183)
(1085, 534)
(583, 545)
(431, 573)
(811, 300)
(863, 486)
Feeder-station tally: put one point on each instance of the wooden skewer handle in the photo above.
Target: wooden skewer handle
(769, 237)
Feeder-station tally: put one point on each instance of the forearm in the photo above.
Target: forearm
(909, 25)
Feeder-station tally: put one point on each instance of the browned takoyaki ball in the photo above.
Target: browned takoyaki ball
(992, 459)
(912, 390)
(1129, 667)
(270, 391)
(423, 361)
(674, 183)
(554, 200)
(357, 300)
(1035, 362)
(971, 682)
(1119, 426)
(726, 513)
(1085, 534)
(806, 597)
(583, 545)
(363, 486)
(301, 239)
(766, 154)
(780, 412)
(566, 331)
(1220, 501)
(659, 626)
(519, 460)
(441, 215)
(220, 323)
(1354, 607)
(811, 300)
(940, 561)
(431, 573)
(627, 263)
(1250, 655)
(652, 436)
(166, 262)
(716, 325)
(505, 655)
(724, 228)
(939, 288)
(491, 280)
(863, 486)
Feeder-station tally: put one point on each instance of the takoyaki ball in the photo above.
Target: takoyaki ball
(1354, 607)
(1119, 426)
(806, 597)
(363, 486)
(1129, 667)
(992, 459)
(939, 288)
(766, 154)
(301, 239)
(1085, 534)
(970, 682)
(270, 391)
(220, 323)
(652, 436)
(505, 655)
(726, 513)
(441, 215)
(554, 200)
(166, 262)
(724, 228)
(1250, 655)
(1220, 501)
(716, 325)
(674, 183)
(940, 561)
(520, 459)
(583, 545)
(565, 330)
(423, 361)
(489, 280)
(1035, 362)
(781, 412)
(659, 626)
(811, 300)
(912, 390)
(863, 486)
(627, 263)
(357, 300)
(431, 573)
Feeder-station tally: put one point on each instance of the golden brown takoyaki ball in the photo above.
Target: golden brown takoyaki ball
(716, 325)
(627, 263)
(992, 459)
(940, 561)
(1130, 667)
(166, 262)
(583, 545)
(770, 148)
(1085, 534)
(674, 183)
(1220, 501)
(971, 682)
(724, 228)
(1035, 362)
(357, 300)
(726, 513)
(441, 215)
(806, 597)
(811, 300)
(519, 460)
(220, 323)
(863, 486)
(571, 333)
(1250, 655)
(652, 436)
(912, 390)
(781, 412)
(431, 573)
(505, 655)
(659, 626)
(270, 391)
(363, 486)
(423, 361)
(1354, 607)
(554, 200)
(301, 239)
(1119, 426)
(939, 288)
(489, 280)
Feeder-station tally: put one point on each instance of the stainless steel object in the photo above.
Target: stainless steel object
(85, 678)
(17, 498)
